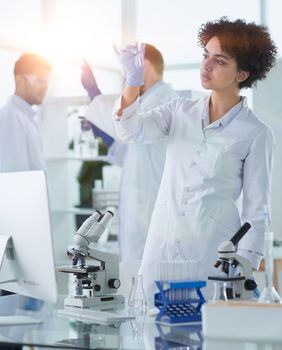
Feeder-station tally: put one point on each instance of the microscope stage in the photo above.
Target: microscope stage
(78, 269)
(226, 279)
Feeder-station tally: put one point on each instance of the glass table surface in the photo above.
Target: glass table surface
(143, 332)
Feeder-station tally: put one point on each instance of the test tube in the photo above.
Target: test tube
(165, 274)
(195, 270)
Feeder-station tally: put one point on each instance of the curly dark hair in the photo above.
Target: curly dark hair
(250, 45)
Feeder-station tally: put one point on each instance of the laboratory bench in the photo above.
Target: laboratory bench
(142, 333)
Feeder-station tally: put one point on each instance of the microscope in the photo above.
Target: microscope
(242, 284)
(95, 284)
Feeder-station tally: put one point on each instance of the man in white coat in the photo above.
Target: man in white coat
(142, 164)
(20, 144)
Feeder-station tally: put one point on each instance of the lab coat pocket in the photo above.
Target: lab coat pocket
(224, 225)
(208, 157)
(213, 229)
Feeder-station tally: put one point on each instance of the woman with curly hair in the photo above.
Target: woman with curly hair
(217, 150)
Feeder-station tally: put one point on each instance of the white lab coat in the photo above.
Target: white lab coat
(141, 175)
(203, 178)
(20, 144)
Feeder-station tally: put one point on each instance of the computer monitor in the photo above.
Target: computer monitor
(27, 258)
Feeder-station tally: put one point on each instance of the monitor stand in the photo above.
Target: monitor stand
(4, 240)
(6, 252)
(6, 248)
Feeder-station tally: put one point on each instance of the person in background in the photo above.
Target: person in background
(142, 165)
(20, 144)
(89, 83)
(217, 149)
(90, 170)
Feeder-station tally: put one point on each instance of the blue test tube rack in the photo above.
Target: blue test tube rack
(179, 309)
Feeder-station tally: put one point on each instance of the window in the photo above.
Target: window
(20, 20)
(85, 29)
(273, 18)
(172, 26)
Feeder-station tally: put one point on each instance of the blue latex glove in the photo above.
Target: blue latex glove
(88, 81)
(131, 58)
(87, 125)
(108, 140)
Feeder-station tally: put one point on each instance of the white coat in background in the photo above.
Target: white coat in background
(142, 171)
(202, 180)
(20, 144)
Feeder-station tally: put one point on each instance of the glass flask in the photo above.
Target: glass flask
(269, 293)
(137, 298)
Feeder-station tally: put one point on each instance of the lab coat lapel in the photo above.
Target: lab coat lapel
(195, 119)
(190, 129)
(235, 130)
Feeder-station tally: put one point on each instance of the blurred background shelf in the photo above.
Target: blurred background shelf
(77, 211)
(71, 178)
(82, 159)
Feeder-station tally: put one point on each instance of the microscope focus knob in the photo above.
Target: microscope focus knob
(97, 287)
(114, 283)
(250, 284)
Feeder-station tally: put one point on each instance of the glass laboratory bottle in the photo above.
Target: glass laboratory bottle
(269, 293)
(86, 145)
(137, 299)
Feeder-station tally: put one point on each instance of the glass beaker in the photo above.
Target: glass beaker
(219, 291)
(137, 298)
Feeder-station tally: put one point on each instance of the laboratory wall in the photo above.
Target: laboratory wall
(267, 103)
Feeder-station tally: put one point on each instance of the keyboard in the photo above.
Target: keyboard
(91, 315)
(18, 320)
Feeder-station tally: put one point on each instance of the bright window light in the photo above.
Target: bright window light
(20, 20)
(83, 28)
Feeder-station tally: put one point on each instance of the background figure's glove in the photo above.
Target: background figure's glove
(88, 80)
(131, 58)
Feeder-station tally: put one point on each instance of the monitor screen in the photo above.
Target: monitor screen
(27, 257)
